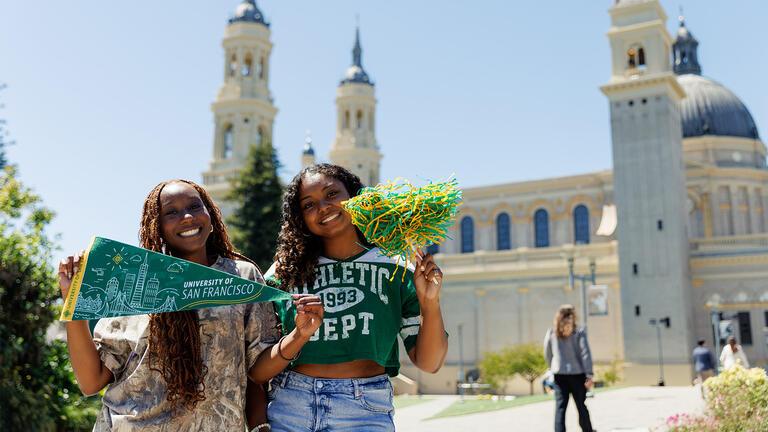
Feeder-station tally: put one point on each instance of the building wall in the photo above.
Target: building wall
(559, 197)
(737, 283)
(506, 298)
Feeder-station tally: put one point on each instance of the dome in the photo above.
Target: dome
(683, 34)
(308, 150)
(711, 109)
(247, 11)
(355, 74)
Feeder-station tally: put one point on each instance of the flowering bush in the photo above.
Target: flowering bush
(690, 423)
(738, 397)
(737, 401)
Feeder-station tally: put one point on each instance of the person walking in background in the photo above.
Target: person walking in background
(704, 361)
(733, 355)
(567, 353)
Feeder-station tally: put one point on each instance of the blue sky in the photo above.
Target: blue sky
(107, 99)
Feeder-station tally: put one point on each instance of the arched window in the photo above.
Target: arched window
(259, 136)
(260, 70)
(232, 65)
(636, 57)
(433, 248)
(467, 235)
(247, 65)
(228, 142)
(346, 119)
(359, 119)
(502, 232)
(581, 224)
(541, 228)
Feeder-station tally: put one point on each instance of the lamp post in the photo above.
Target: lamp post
(657, 323)
(714, 307)
(461, 363)
(570, 256)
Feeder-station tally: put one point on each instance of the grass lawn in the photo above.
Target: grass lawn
(473, 405)
(406, 401)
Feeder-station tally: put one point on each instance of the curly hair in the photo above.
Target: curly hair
(565, 321)
(298, 250)
(174, 337)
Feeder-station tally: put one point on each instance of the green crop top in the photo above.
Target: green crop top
(364, 311)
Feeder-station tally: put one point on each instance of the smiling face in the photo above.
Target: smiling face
(320, 198)
(184, 221)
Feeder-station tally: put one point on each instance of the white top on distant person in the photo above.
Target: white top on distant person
(733, 355)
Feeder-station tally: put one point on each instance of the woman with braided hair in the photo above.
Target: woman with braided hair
(185, 370)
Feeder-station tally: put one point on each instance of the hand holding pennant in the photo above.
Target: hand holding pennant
(117, 279)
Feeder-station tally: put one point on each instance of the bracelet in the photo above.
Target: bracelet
(258, 428)
(280, 353)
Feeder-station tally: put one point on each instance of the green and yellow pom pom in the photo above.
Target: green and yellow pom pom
(399, 217)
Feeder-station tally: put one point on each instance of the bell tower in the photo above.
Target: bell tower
(308, 153)
(355, 146)
(649, 189)
(686, 59)
(244, 111)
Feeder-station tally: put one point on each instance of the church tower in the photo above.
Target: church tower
(649, 190)
(243, 111)
(686, 58)
(355, 146)
(308, 153)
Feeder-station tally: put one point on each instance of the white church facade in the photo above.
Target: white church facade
(677, 229)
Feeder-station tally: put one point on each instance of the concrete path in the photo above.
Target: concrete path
(632, 409)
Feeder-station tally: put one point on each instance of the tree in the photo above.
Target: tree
(529, 362)
(496, 368)
(526, 360)
(258, 195)
(37, 388)
(3, 135)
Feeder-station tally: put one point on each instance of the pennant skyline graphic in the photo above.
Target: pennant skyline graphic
(117, 279)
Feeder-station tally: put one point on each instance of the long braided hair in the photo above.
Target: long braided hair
(298, 250)
(174, 337)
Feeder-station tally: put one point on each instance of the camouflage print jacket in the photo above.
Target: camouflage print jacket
(231, 338)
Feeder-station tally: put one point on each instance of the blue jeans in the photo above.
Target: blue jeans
(302, 403)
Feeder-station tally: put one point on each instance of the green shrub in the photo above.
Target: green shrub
(610, 374)
(38, 391)
(737, 400)
(526, 360)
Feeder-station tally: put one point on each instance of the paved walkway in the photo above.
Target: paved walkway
(632, 409)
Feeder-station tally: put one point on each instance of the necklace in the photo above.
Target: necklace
(357, 251)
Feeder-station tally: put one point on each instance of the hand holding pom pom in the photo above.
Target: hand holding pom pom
(399, 218)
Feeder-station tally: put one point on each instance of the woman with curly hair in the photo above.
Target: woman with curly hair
(339, 382)
(184, 370)
(567, 354)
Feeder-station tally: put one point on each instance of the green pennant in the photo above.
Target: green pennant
(117, 279)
